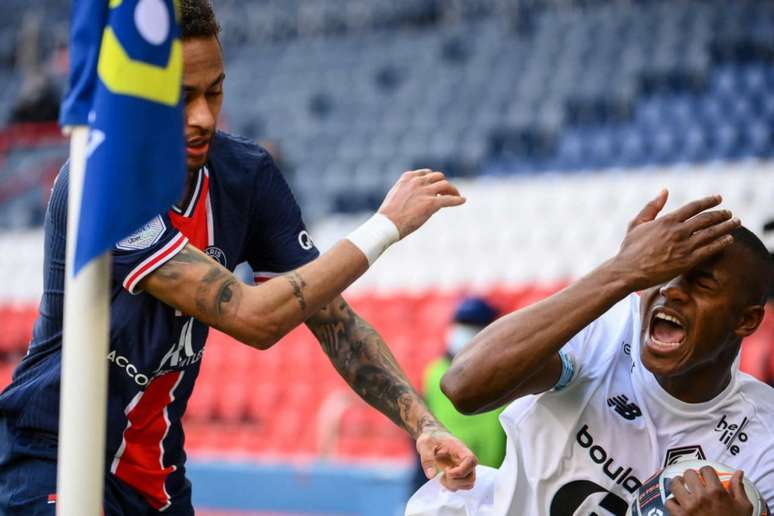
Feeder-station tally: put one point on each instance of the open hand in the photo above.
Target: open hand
(416, 197)
(702, 493)
(441, 451)
(656, 250)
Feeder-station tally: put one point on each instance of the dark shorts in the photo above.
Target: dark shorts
(28, 481)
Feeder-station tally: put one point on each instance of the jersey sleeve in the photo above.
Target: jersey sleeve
(278, 241)
(590, 351)
(145, 250)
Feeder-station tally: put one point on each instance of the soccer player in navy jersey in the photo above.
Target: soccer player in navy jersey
(172, 280)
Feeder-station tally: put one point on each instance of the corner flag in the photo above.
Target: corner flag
(126, 63)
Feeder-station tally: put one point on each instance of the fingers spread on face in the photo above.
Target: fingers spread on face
(695, 207)
(651, 210)
(714, 232)
(712, 248)
(705, 220)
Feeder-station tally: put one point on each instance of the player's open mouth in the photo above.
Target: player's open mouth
(667, 331)
(197, 148)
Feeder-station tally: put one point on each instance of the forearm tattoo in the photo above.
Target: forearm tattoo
(298, 284)
(366, 363)
(217, 292)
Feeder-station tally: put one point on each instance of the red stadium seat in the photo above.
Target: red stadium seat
(6, 372)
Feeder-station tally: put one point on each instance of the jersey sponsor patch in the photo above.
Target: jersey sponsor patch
(144, 237)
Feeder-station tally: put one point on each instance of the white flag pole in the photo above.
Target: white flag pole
(83, 392)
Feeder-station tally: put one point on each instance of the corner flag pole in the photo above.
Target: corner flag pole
(127, 165)
(83, 392)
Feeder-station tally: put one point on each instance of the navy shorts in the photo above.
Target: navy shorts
(28, 481)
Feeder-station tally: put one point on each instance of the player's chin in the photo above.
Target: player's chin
(664, 364)
(195, 163)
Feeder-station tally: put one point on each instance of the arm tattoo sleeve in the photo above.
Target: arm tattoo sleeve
(298, 284)
(364, 361)
(217, 293)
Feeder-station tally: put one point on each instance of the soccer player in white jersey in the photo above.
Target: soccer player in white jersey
(607, 386)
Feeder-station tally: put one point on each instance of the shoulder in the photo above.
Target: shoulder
(760, 395)
(239, 154)
(57, 204)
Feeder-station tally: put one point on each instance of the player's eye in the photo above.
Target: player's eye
(706, 281)
(215, 93)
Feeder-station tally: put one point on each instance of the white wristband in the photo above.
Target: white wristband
(374, 236)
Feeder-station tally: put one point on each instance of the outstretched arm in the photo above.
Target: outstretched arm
(261, 315)
(363, 359)
(518, 354)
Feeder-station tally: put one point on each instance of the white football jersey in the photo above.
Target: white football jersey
(586, 449)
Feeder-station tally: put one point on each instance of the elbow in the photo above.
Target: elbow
(261, 343)
(459, 392)
(261, 334)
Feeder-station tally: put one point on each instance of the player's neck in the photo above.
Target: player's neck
(698, 385)
(190, 184)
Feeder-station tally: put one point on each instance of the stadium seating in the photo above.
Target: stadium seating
(355, 92)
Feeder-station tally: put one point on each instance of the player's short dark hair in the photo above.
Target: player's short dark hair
(197, 20)
(763, 267)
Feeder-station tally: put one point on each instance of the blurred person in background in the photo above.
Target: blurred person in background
(758, 350)
(172, 280)
(482, 433)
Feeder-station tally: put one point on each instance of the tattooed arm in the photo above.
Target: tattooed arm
(363, 359)
(256, 315)
(366, 363)
(261, 315)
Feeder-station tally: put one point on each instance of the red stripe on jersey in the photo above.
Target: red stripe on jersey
(155, 261)
(194, 226)
(260, 277)
(52, 498)
(139, 461)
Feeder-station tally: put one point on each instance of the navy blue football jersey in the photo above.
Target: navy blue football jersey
(241, 210)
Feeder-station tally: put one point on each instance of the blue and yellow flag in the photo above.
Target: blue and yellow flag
(126, 65)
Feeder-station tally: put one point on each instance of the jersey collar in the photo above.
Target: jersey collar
(651, 389)
(188, 209)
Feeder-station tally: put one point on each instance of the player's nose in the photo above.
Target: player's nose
(198, 114)
(674, 290)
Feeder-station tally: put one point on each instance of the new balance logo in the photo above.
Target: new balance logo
(622, 406)
(730, 433)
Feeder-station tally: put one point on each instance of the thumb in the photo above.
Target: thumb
(737, 488)
(651, 210)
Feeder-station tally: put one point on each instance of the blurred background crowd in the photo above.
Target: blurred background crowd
(558, 117)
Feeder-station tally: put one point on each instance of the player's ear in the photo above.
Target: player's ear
(749, 321)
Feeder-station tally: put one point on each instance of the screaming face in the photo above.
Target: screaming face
(695, 322)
